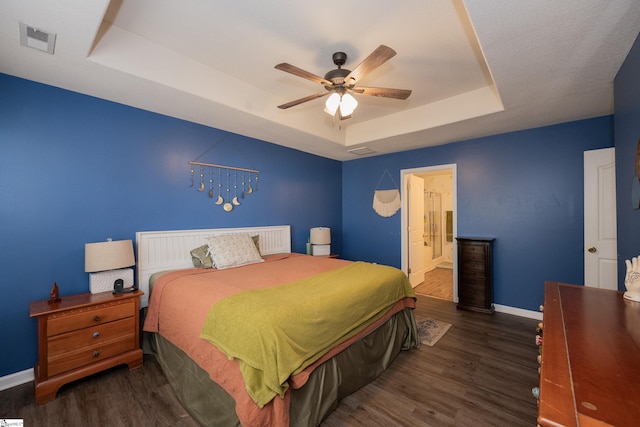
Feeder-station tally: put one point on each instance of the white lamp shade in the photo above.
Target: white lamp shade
(320, 236)
(345, 102)
(347, 105)
(332, 104)
(104, 256)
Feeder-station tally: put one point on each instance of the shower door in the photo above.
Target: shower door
(433, 223)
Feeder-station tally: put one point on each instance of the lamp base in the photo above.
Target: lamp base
(103, 281)
(320, 250)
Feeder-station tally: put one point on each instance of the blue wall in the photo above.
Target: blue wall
(76, 169)
(627, 134)
(523, 188)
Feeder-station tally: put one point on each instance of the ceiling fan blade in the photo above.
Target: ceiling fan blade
(301, 100)
(288, 68)
(378, 57)
(382, 92)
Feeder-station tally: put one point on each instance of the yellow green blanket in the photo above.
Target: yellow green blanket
(277, 332)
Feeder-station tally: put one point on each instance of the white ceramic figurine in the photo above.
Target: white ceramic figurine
(632, 279)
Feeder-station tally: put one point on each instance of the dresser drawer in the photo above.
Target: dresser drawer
(86, 355)
(476, 299)
(471, 266)
(477, 254)
(84, 317)
(87, 337)
(473, 289)
(473, 281)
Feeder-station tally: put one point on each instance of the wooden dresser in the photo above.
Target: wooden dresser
(590, 373)
(475, 273)
(84, 334)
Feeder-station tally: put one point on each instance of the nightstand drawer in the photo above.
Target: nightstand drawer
(83, 318)
(87, 355)
(86, 337)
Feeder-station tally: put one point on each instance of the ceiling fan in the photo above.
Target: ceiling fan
(341, 82)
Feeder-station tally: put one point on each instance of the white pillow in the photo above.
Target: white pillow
(233, 250)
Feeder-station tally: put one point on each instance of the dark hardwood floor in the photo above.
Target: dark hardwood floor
(117, 397)
(480, 373)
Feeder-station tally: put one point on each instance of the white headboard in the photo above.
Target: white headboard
(170, 250)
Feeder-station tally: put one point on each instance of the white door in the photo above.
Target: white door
(415, 190)
(600, 251)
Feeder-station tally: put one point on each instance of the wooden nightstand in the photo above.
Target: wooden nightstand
(84, 334)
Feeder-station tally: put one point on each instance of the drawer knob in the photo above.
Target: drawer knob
(96, 318)
(96, 334)
(96, 353)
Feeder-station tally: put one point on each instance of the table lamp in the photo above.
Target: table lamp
(320, 239)
(106, 264)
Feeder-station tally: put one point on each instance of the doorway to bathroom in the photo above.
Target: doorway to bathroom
(429, 224)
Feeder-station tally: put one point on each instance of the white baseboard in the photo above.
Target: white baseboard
(16, 378)
(518, 311)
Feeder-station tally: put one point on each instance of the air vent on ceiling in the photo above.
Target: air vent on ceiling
(361, 151)
(37, 38)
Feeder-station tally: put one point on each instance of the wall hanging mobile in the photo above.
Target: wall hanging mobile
(226, 175)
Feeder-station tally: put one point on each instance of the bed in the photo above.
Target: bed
(260, 342)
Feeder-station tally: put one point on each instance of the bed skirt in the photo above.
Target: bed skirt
(335, 379)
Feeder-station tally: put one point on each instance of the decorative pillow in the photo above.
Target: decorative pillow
(233, 250)
(256, 241)
(200, 257)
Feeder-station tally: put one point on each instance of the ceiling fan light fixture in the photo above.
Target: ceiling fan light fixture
(345, 102)
(332, 104)
(347, 105)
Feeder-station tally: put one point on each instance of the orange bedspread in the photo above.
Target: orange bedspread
(181, 300)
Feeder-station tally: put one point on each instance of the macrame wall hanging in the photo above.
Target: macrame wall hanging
(386, 202)
(242, 180)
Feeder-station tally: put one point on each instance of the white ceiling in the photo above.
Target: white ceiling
(476, 68)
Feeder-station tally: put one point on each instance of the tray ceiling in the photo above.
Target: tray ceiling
(476, 68)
